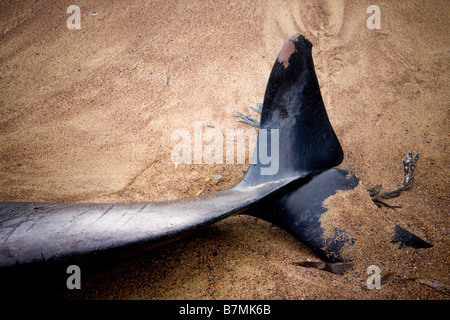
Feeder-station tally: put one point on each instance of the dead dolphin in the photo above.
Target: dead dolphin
(293, 96)
(293, 197)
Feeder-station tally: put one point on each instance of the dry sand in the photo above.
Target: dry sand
(87, 115)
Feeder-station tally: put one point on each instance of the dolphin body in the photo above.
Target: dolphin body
(34, 233)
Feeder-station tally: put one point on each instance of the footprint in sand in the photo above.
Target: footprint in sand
(322, 22)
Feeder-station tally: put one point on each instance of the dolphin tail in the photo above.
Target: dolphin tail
(290, 188)
(33, 233)
(294, 120)
(332, 213)
(309, 148)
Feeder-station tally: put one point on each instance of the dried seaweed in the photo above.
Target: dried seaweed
(246, 118)
(429, 282)
(436, 285)
(409, 169)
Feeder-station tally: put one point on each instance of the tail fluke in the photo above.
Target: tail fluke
(294, 114)
(289, 183)
(333, 214)
(293, 111)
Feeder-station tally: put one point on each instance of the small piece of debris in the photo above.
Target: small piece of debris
(216, 177)
(336, 267)
(431, 283)
(94, 13)
(436, 285)
(409, 168)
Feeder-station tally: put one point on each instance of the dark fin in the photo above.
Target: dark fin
(408, 239)
(300, 212)
(293, 104)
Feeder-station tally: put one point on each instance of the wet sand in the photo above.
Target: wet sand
(87, 115)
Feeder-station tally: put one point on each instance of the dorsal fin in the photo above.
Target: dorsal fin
(293, 104)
